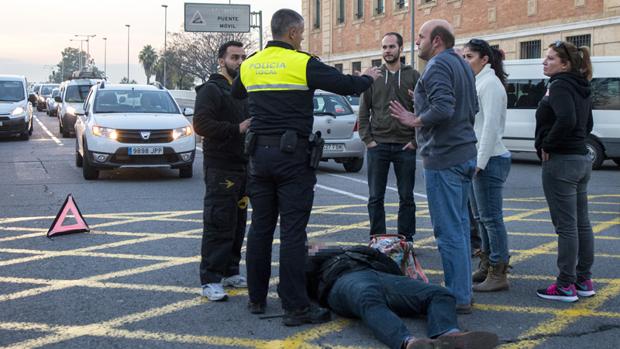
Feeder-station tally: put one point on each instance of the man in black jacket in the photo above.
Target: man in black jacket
(222, 121)
(364, 283)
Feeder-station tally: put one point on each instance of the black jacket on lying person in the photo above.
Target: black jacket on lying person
(217, 116)
(326, 266)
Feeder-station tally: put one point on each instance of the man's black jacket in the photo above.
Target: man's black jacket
(326, 266)
(216, 117)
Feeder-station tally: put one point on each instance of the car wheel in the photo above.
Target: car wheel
(596, 153)
(88, 171)
(353, 164)
(79, 160)
(24, 136)
(63, 131)
(186, 172)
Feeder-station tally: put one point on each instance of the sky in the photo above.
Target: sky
(34, 32)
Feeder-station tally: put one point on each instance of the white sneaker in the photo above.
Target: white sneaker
(236, 281)
(215, 292)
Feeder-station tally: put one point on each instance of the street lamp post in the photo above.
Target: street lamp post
(165, 37)
(105, 56)
(86, 37)
(128, 26)
(80, 53)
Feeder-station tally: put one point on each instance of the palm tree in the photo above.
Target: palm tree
(148, 58)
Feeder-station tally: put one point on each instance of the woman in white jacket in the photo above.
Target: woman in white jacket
(493, 164)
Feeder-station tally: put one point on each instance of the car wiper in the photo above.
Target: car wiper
(324, 113)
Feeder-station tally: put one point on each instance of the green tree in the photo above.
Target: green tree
(70, 62)
(125, 81)
(148, 58)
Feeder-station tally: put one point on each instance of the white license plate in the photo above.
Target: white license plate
(333, 147)
(145, 150)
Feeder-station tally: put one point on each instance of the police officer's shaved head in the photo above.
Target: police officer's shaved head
(283, 20)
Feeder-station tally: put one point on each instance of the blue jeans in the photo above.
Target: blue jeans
(448, 192)
(378, 299)
(565, 180)
(488, 187)
(379, 159)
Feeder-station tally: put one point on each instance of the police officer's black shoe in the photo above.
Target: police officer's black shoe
(257, 308)
(309, 315)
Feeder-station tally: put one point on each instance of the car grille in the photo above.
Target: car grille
(121, 157)
(134, 136)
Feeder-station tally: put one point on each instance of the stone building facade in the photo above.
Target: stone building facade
(347, 33)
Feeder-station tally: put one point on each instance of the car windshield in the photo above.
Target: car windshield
(56, 92)
(354, 100)
(77, 93)
(11, 91)
(47, 89)
(331, 105)
(134, 101)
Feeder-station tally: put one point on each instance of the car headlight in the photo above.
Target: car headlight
(181, 132)
(70, 110)
(105, 132)
(18, 111)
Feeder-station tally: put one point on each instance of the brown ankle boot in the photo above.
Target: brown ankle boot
(483, 267)
(496, 279)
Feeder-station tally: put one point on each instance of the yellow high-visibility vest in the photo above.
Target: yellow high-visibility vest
(275, 69)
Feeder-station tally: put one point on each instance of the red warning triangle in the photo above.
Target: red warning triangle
(68, 208)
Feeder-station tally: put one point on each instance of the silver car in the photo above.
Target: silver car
(52, 105)
(334, 117)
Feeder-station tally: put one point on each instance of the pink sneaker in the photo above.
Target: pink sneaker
(563, 294)
(585, 288)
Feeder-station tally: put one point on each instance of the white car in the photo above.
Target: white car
(15, 107)
(70, 102)
(129, 126)
(334, 117)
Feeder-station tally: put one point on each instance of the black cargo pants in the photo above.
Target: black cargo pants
(280, 184)
(224, 221)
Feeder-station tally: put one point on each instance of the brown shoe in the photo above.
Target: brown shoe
(496, 280)
(427, 343)
(483, 269)
(470, 340)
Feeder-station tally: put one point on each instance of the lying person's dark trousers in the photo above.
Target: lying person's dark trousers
(379, 299)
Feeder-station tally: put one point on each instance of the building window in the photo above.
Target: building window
(530, 49)
(317, 14)
(358, 7)
(580, 40)
(379, 7)
(375, 63)
(338, 67)
(340, 12)
(356, 67)
(495, 47)
(401, 4)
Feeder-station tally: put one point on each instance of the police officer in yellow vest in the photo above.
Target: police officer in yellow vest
(279, 82)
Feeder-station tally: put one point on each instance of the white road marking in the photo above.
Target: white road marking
(365, 182)
(47, 131)
(346, 193)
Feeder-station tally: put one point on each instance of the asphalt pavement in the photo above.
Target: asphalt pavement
(132, 281)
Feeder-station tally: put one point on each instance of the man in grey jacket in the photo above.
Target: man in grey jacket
(445, 106)
(387, 140)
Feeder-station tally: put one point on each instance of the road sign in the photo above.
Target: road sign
(217, 18)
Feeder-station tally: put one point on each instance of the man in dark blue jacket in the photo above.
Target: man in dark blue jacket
(222, 121)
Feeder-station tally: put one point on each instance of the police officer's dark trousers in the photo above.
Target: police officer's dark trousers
(224, 217)
(279, 183)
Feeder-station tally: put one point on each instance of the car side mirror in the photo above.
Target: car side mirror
(58, 99)
(188, 111)
(32, 98)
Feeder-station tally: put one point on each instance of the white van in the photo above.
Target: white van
(527, 85)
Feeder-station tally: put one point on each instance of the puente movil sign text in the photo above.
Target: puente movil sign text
(217, 18)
